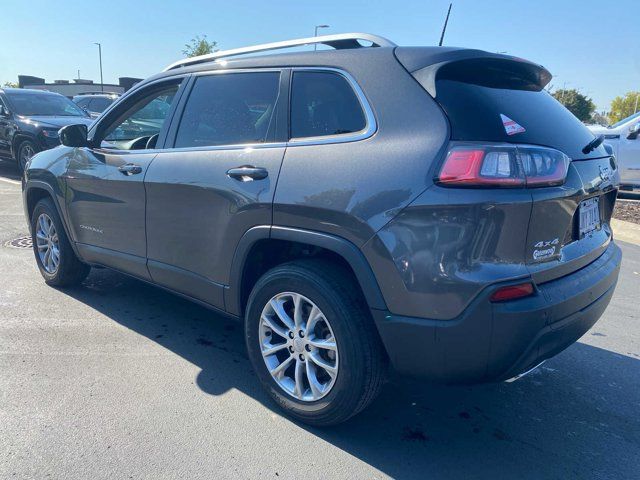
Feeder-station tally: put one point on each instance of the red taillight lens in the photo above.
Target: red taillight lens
(503, 166)
(512, 292)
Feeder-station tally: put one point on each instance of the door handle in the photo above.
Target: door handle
(130, 169)
(248, 173)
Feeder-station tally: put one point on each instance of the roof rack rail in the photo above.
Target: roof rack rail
(337, 41)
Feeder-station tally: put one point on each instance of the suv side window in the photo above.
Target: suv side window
(229, 109)
(3, 103)
(99, 104)
(83, 102)
(323, 103)
(138, 128)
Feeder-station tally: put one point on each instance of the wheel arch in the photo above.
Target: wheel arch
(36, 190)
(18, 139)
(247, 266)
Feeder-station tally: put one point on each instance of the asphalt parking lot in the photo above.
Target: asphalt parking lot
(117, 379)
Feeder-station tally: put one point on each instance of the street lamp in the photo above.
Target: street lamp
(315, 34)
(100, 56)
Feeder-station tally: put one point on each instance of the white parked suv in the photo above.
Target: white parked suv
(623, 137)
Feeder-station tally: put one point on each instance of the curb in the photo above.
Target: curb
(626, 231)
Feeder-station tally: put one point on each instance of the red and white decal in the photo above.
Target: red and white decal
(510, 126)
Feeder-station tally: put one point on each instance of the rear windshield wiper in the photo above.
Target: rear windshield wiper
(593, 144)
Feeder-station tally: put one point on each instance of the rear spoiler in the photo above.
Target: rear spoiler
(477, 67)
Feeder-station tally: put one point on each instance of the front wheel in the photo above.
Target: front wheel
(312, 342)
(26, 150)
(55, 257)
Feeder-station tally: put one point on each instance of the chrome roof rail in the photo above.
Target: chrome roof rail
(337, 41)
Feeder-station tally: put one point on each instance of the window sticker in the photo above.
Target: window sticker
(510, 126)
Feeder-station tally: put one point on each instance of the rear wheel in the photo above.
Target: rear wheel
(312, 342)
(26, 150)
(55, 257)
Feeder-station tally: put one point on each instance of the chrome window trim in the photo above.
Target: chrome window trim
(371, 125)
(370, 129)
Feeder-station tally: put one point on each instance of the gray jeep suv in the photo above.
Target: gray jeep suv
(432, 209)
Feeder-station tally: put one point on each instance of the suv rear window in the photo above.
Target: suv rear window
(323, 103)
(484, 99)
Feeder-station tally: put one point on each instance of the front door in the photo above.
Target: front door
(215, 182)
(106, 195)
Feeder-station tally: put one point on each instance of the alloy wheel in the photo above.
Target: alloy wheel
(47, 243)
(26, 152)
(298, 346)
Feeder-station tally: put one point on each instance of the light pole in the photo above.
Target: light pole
(315, 34)
(100, 56)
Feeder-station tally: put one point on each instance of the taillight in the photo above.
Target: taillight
(503, 166)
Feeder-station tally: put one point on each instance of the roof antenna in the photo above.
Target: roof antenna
(446, 21)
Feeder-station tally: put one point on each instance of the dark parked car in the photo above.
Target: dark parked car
(430, 208)
(30, 120)
(94, 103)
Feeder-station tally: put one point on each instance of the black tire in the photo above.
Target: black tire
(363, 363)
(25, 149)
(70, 270)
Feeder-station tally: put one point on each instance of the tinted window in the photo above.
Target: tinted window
(483, 113)
(144, 120)
(46, 104)
(82, 102)
(229, 109)
(99, 104)
(323, 103)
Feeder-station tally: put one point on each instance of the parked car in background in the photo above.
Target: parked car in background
(623, 139)
(430, 208)
(94, 103)
(30, 120)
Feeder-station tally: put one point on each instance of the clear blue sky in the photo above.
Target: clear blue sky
(592, 46)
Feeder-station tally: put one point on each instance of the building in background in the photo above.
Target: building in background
(76, 86)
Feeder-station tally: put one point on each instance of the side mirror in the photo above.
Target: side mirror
(634, 131)
(74, 136)
(3, 111)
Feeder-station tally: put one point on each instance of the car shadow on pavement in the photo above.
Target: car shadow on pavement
(9, 170)
(569, 418)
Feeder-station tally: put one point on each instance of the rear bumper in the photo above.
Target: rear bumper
(496, 341)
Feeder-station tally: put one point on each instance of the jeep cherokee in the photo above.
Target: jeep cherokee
(432, 209)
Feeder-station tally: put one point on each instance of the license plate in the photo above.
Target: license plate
(589, 216)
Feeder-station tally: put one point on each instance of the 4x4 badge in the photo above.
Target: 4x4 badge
(545, 249)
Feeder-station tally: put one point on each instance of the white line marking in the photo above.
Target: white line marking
(13, 182)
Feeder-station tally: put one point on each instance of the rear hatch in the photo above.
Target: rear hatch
(499, 103)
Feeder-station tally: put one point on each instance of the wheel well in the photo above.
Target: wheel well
(269, 253)
(17, 141)
(34, 195)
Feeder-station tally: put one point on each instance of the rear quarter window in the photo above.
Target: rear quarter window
(322, 104)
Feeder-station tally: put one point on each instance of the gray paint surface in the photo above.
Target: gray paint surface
(117, 379)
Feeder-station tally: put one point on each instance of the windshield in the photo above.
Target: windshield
(625, 120)
(45, 104)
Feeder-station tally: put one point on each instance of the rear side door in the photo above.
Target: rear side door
(215, 180)
(105, 197)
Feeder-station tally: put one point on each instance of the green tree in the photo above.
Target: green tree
(622, 107)
(578, 104)
(10, 84)
(199, 46)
